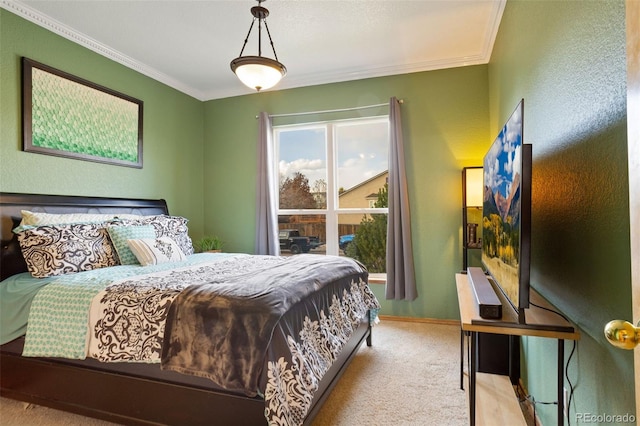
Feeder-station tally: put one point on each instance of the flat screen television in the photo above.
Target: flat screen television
(506, 212)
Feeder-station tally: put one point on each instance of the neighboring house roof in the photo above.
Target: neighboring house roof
(353, 188)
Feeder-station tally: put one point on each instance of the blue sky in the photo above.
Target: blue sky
(363, 151)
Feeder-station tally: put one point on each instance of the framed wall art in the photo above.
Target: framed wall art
(68, 116)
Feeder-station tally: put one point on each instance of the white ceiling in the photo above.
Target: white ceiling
(188, 45)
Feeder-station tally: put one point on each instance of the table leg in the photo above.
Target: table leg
(560, 382)
(472, 378)
(461, 359)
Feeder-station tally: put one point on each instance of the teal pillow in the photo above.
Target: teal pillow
(119, 236)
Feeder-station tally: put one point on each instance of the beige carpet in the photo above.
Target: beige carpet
(410, 376)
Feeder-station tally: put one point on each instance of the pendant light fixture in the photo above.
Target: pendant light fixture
(258, 72)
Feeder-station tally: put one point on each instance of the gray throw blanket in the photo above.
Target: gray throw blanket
(221, 330)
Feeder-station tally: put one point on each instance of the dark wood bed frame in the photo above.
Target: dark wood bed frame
(127, 398)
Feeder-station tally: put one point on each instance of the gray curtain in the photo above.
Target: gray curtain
(401, 280)
(266, 212)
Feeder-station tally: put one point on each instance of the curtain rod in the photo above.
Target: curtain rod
(331, 110)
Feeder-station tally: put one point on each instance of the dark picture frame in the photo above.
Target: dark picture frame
(67, 116)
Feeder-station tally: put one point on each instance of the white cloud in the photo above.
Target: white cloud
(313, 169)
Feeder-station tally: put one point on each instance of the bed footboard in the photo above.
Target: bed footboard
(135, 400)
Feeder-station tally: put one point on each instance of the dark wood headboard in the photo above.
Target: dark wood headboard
(11, 260)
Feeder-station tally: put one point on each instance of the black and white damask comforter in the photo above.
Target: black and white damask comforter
(260, 325)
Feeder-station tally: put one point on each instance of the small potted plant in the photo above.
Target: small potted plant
(209, 244)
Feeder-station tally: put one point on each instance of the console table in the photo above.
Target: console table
(539, 322)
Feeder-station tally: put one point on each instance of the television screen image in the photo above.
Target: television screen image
(506, 211)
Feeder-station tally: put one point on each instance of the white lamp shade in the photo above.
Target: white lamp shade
(474, 187)
(257, 72)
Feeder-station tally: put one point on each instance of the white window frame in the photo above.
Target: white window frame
(332, 212)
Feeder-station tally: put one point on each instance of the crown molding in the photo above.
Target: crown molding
(492, 30)
(291, 82)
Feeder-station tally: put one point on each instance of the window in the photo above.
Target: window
(333, 186)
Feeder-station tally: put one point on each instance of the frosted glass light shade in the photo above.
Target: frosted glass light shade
(475, 187)
(258, 72)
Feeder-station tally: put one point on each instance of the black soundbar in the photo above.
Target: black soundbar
(488, 302)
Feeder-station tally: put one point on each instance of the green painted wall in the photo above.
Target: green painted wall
(173, 129)
(567, 60)
(445, 122)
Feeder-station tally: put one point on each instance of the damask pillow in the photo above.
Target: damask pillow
(51, 250)
(174, 227)
(119, 236)
(156, 250)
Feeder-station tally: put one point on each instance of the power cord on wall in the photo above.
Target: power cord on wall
(566, 373)
(551, 310)
(534, 402)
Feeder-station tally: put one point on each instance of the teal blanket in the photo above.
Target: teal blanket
(16, 294)
(53, 312)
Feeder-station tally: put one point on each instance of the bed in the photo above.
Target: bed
(270, 365)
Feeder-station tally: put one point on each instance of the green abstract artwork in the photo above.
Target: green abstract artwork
(66, 116)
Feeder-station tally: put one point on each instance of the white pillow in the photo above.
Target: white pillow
(153, 251)
(39, 219)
